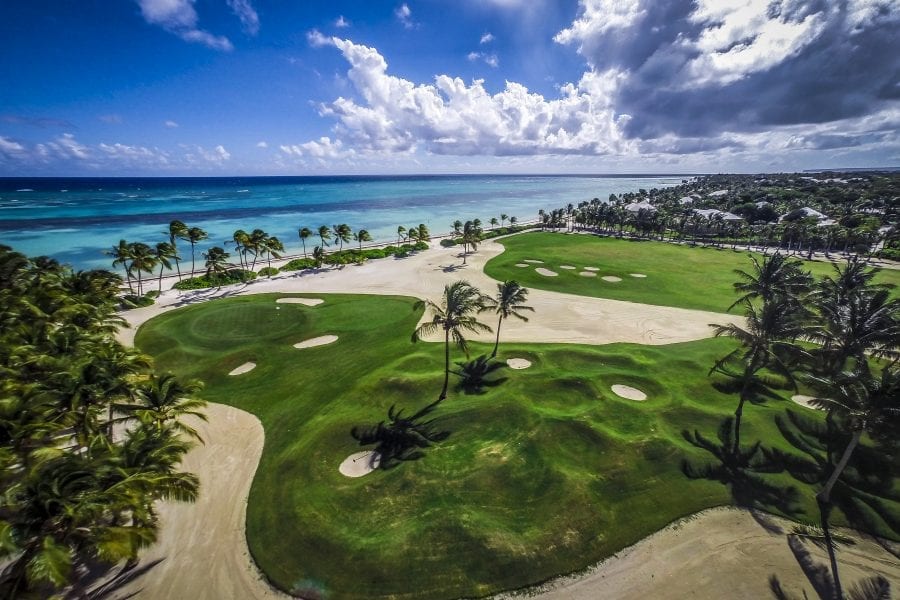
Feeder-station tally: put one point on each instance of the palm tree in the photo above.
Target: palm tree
(412, 234)
(318, 256)
(400, 231)
(424, 234)
(163, 252)
(216, 261)
(776, 275)
(342, 233)
(163, 400)
(494, 222)
(513, 220)
(241, 240)
(177, 230)
(304, 233)
(122, 256)
(324, 234)
(256, 243)
(273, 247)
(362, 236)
(143, 260)
(509, 302)
(457, 227)
(504, 217)
(454, 316)
(471, 236)
(194, 235)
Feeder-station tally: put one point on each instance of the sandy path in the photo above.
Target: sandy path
(562, 318)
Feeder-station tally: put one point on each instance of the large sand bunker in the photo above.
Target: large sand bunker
(545, 272)
(360, 463)
(304, 301)
(317, 341)
(628, 392)
(244, 368)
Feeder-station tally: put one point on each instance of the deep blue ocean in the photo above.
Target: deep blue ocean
(75, 219)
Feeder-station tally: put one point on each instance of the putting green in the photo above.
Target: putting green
(676, 275)
(542, 475)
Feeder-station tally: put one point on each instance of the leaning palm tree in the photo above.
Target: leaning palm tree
(194, 235)
(324, 234)
(471, 236)
(241, 240)
(143, 260)
(509, 302)
(453, 316)
(423, 234)
(318, 256)
(121, 254)
(401, 231)
(177, 230)
(216, 261)
(362, 236)
(494, 222)
(304, 233)
(163, 252)
(273, 248)
(504, 217)
(343, 234)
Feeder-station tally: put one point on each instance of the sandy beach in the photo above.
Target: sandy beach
(202, 552)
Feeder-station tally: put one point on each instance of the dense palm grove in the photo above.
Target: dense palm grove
(851, 212)
(90, 437)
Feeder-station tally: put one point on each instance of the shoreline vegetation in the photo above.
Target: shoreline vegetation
(607, 443)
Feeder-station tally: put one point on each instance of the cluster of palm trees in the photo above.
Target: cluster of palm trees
(256, 243)
(90, 437)
(402, 438)
(839, 335)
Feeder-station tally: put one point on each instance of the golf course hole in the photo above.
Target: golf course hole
(628, 392)
(804, 400)
(522, 265)
(303, 301)
(360, 463)
(638, 275)
(244, 368)
(316, 341)
(533, 261)
(588, 274)
(518, 363)
(611, 278)
(546, 272)
(567, 267)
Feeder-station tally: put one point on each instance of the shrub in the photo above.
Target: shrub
(227, 278)
(129, 301)
(889, 254)
(447, 243)
(420, 246)
(268, 271)
(298, 264)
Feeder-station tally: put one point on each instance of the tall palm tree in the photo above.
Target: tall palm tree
(163, 252)
(177, 230)
(504, 217)
(509, 302)
(193, 236)
(318, 256)
(256, 244)
(412, 234)
(304, 233)
(457, 227)
(453, 316)
(401, 231)
(513, 220)
(216, 261)
(143, 260)
(471, 236)
(121, 254)
(493, 222)
(776, 275)
(424, 234)
(343, 234)
(163, 400)
(362, 236)
(273, 248)
(241, 240)
(324, 234)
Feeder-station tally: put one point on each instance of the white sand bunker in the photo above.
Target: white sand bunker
(244, 368)
(638, 275)
(533, 261)
(588, 274)
(522, 265)
(360, 463)
(595, 269)
(304, 301)
(628, 392)
(546, 272)
(803, 400)
(567, 267)
(317, 341)
(518, 363)
(611, 278)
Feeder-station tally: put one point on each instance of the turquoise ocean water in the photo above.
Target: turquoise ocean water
(75, 220)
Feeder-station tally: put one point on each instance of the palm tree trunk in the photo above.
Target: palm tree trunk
(825, 509)
(193, 260)
(825, 495)
(140, 283)
(159, 289)
(177, 261)
(302, 241)
(497, 343)
(446, 364)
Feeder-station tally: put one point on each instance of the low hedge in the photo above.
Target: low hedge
(267, 271)
(204, 281)
(356, 256)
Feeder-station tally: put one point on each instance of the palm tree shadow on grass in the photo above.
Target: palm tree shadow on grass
(400, 438)
(741, 470)
(474, 375)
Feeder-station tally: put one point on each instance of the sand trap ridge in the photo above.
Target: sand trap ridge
(518, 363)
(244, 368)
(638, 275)
(611, 278)
(533, 261)
(360, 463)
(317, 341)
(522, 265)
(803, 400)
(628, 392)
(304, 301)
(588, 274)
(567, 267)
(545, 272)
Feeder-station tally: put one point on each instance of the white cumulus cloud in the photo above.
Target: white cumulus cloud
(404, 15)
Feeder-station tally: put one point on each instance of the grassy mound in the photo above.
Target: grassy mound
(680, 276)
(543, 475)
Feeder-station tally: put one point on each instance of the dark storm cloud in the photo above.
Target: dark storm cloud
(848, 67)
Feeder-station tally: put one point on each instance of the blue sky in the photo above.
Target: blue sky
(257, 87)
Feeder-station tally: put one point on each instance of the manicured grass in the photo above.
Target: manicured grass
(543, 475)
(680, 276)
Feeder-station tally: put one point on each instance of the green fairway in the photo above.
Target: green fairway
(681, 276)
(543, 475)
